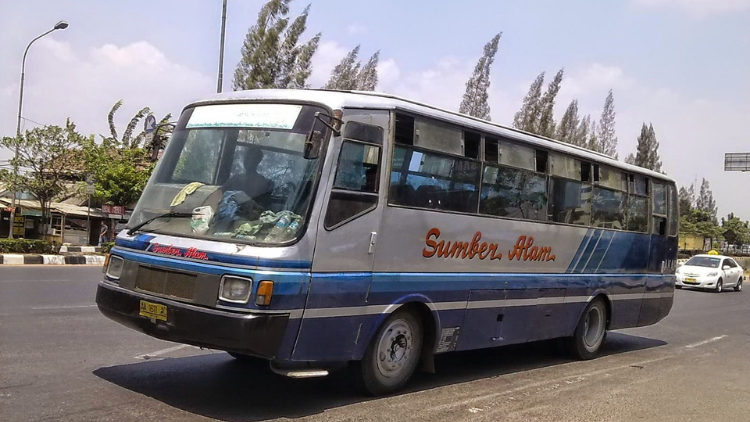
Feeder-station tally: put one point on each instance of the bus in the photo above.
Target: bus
(327, 229)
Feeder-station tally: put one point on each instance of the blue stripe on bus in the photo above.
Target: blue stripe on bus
(597, 255)
(581, 247)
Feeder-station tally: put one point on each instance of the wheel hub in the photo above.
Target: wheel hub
(394, 348)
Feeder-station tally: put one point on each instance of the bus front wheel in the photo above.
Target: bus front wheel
(590, 331)
(392, 354)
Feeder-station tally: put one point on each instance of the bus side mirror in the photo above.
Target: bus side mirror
(314, 141)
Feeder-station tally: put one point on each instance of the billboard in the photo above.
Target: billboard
(737, 161)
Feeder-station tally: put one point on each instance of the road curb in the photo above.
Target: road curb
(39, 259)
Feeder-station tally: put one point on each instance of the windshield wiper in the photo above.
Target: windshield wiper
(166, 215)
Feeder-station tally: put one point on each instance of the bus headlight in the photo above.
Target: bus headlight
(235, 289)
(114, 267)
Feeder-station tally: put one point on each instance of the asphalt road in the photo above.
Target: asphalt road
(60, 360)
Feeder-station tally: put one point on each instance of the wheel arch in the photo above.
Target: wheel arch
(425, 309)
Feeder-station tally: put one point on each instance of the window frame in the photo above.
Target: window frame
(340, 191)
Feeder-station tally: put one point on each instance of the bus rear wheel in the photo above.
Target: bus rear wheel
(392, 355)
(590, 331)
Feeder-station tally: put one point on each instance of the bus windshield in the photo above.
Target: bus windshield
(235, 173)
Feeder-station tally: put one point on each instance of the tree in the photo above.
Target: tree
(736, 231)
(128, 140)
(686, 199)
(568, 127)
(271, 54)
(581, 137)
(367, 80)
(344, 75)
(120, 174)
(547, 107)
(705, 202)
(48, 155)
(647, 149)
(607, 139)
(475, 101)
(527, 117)
(630, 159)
(593, 142)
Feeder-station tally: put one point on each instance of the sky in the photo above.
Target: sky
(681, 65)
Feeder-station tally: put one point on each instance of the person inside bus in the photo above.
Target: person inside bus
(254, 184)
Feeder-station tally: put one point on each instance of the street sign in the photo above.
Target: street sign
(737, 161)
(89, 190)
(150, 124)
(113, 209)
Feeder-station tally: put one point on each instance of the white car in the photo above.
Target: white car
(713, 272)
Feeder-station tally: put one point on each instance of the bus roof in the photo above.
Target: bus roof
(378, 100)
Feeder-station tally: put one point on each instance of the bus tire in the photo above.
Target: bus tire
(590, 331)
(392, 355)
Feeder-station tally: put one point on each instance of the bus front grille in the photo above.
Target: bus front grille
(166, 283)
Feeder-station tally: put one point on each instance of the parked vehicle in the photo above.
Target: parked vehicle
(714, 272)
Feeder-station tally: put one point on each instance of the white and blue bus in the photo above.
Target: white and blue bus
(318, 229)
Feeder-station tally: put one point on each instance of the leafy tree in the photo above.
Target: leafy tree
(128, 140)
(272, 56)
(120, 174)
(344, 75)
(607, 139)
(475, 101)
(735, 231)
(547, 110)
(630, 159)
(48, 156)
(568, 127)
(705, 202)
(527, 117)
(593, 142)
(367, 80)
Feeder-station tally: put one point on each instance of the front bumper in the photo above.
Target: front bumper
(252, 334)
(700, 283)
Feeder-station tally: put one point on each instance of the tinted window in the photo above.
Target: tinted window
(637, 214)
(513, 193)
(608, 209)
(569, 202)
(660, 226)
(674, 213)
(431, 180)
(660, 198)
(363, 132)
(344, 206)
(358, 167)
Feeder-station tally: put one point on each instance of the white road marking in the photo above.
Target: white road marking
(147, 356)
(39, 308)
(701, 343)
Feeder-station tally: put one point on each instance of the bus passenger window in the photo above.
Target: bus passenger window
(472, 141)
(608, 209)
(569, 202)
(404, 129)
(490, 150)
(674, 214)
(637, 213)
(436, 181)
(659, 195)
(515, 193)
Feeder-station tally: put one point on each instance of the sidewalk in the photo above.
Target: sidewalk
(36, 259)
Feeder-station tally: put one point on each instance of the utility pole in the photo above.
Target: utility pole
(221, 48)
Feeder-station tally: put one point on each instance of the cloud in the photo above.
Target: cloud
(62, 83)
(356, 28)
(698, 8)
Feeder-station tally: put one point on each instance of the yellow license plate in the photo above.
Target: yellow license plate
(690, 280)
(153, 310)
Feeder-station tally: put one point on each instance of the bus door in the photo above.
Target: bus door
(336, 316)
